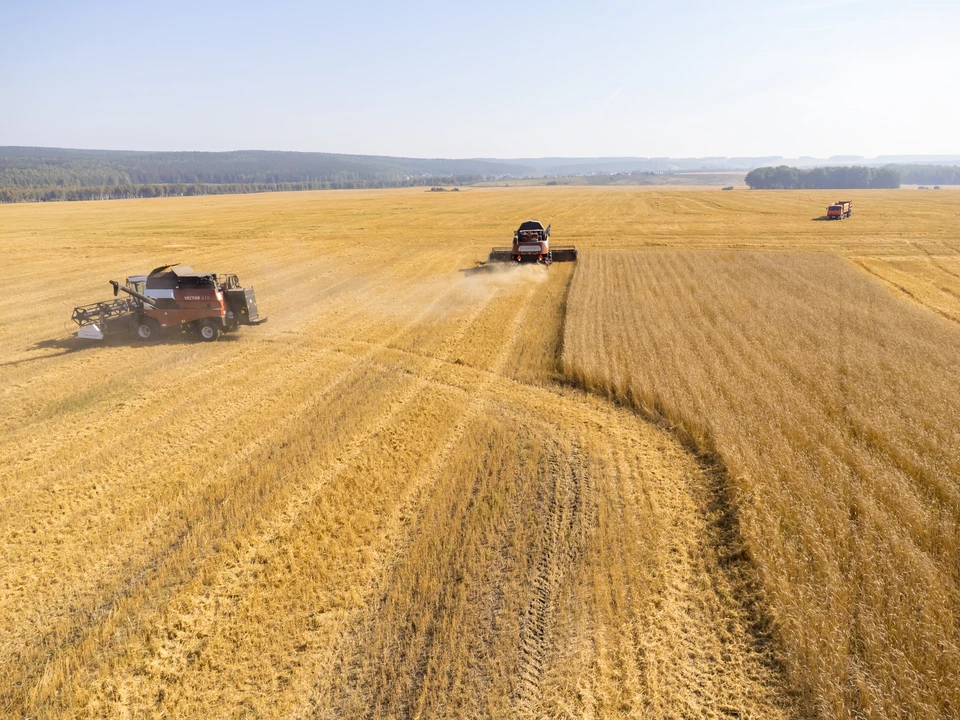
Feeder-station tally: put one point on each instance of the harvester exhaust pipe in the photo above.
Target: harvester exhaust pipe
(117, 287)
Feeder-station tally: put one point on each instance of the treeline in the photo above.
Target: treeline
(122, 192)
(49, 174)
(930, 174)
(37, 167)
(823, 178)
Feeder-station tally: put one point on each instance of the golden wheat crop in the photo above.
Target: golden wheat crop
(388, 501)
(835, 408)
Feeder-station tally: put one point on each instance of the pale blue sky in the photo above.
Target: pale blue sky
(496, 79)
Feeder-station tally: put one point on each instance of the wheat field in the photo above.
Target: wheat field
(835, 409)
(421, 492)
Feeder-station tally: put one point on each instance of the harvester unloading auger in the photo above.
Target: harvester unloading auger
(172, 298)
(531, 243)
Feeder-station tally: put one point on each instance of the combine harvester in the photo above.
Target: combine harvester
(171, 299)
(531, 243)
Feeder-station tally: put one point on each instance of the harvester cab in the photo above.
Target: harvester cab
(137, 282)
(172, 298)
(531, 243)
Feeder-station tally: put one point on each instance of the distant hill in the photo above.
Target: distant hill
(44, 166)
(46, 174)
(585, 166)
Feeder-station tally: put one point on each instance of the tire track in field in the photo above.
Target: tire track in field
(563, 527)
(936, 263)
(897, 286)
(406, 518)
(705, 649)
(715, 636)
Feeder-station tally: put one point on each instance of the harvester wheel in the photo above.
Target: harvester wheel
(149, 329)
(209, 331)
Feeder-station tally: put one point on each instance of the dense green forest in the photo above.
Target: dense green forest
(824, 178)
(49, 174)
(930, 174)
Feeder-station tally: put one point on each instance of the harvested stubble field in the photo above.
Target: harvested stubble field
(394, 499)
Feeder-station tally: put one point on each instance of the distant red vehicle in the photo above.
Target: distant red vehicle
(839, 210)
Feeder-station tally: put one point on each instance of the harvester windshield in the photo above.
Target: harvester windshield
(137, 282)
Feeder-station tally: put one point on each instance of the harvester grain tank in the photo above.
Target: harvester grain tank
(531, 243)
(172, 298)
(839, 210)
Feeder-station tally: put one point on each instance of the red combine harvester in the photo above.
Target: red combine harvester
(172, 298)
(531, 243)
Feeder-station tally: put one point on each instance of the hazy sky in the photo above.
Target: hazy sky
(484, 79)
